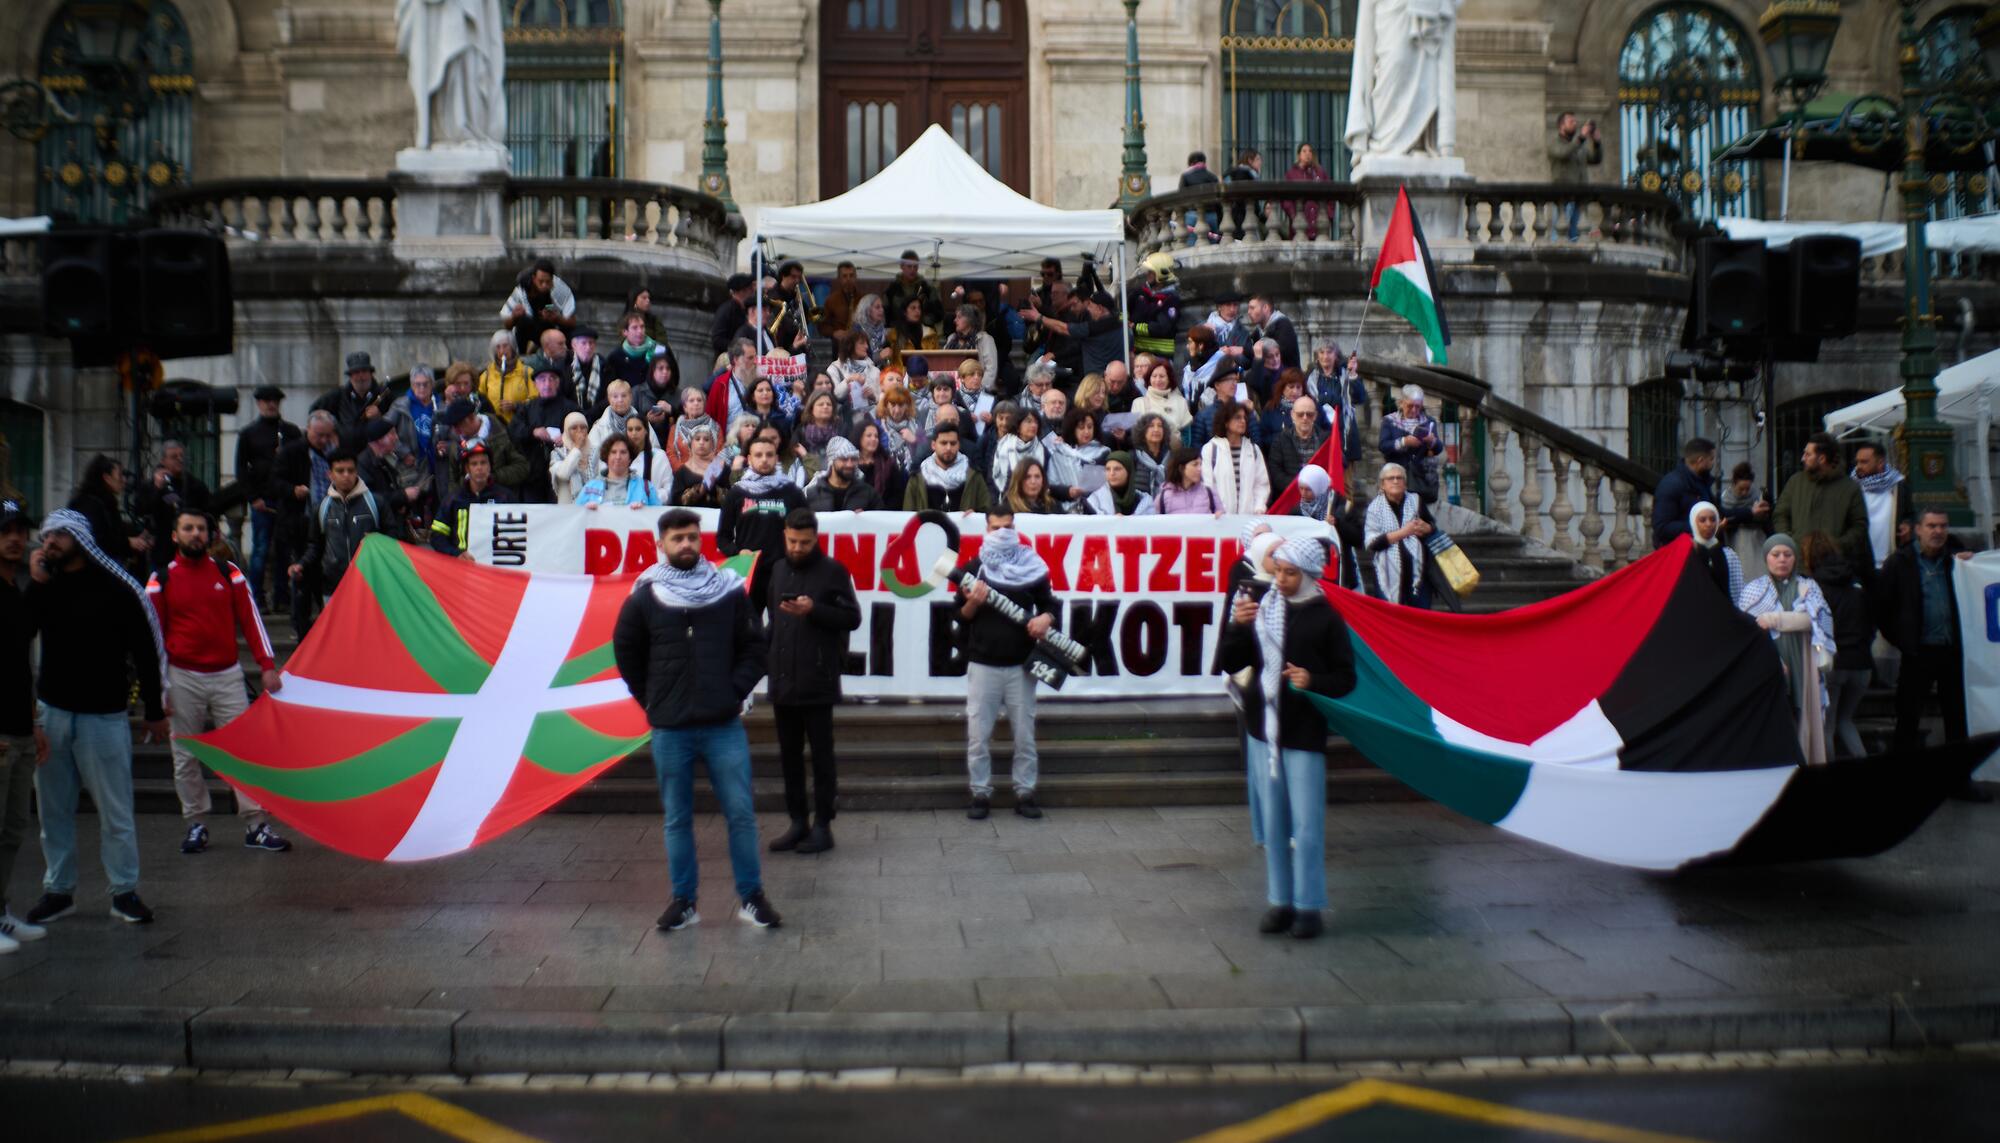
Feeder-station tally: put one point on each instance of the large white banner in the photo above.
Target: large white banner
(1978, 584)
(1143, 593)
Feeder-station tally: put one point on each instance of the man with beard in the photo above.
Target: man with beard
(201, 602)
(95, 625)
(687, 645)
(813, 611)
(753, 517)
(945, 480)
(996, 658)
(839, 487)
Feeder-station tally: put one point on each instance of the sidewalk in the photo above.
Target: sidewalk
(925, 939)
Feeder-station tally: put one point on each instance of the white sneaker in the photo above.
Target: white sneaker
(18, 930)
(9, 944)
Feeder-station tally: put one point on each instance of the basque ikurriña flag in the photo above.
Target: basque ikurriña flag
(1405, 281)
(436, 704)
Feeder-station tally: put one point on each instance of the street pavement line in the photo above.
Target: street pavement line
(444, 1118)
(1317, 1109)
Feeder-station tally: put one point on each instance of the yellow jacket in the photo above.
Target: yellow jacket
(516, 385)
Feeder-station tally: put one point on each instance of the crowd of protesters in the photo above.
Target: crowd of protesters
(1212, 414)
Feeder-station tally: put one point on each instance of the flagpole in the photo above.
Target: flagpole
(1363, 323)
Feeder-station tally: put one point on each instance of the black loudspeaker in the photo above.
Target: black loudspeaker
(1824, 281)
(1730, 289)
(185, 306)
(80, 283)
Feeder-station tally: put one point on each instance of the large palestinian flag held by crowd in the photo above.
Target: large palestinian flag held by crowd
(1641, 720)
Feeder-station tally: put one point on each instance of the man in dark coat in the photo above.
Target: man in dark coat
(1273, 324)
(689, 649)
(997, 648)
(451, 530)
(733, 314)
(300, 477)
(1916, 607)
(1294, 448)
(813, 610)
(536, 430)
(257, 448)
(753, 517)
(361, 400)
(839, 487)
(160, 499)
(17, 712)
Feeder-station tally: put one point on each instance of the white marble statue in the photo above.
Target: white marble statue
(1403, 99)
(457, 71)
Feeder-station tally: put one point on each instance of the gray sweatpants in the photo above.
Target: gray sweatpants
(986, 688)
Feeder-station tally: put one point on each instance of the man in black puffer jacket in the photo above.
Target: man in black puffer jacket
(689, 650)
(812, 611)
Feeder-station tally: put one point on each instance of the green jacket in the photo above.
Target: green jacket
(1833, 505)
(974, 496)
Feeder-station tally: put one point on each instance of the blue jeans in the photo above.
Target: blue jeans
(263, 522)
(1254, 790)
(92, 751)
(725, 746)
(1294, 825)
(1573, 209)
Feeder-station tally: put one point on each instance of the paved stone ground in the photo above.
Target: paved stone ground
(1085, 910)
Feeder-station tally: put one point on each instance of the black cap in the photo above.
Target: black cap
(739, 282)
(916, 366)
(357, 361)
(457, 411)
(269, 393)
(377, 429)
(14, 514)
(1229, 298)
(1104, 299)
(584, 331)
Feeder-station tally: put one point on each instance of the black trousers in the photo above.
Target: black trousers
(1923, 669)
(798, 725)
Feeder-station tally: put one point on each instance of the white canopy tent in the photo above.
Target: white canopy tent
(1980, 235)
(1968, 397)
(936, 200)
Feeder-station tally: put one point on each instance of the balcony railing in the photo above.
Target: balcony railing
(1509, 219)
(568, 218)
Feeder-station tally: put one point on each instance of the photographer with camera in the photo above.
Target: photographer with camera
(997, 650)
(1573, 150)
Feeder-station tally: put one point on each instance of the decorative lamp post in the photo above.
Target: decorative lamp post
(1799, 36)
(1133, 182)
(714, 145)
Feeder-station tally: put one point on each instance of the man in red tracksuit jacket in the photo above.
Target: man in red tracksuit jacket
(201, 601)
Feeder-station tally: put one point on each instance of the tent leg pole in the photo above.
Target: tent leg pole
(757, 284)
(1124, 310)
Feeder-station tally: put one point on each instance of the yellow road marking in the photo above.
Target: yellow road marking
(1317, 1109)
(436, 1114)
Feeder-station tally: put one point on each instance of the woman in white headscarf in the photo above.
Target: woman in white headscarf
(1394, 530)
(1792, 608)
(1249, 578)
(1715, 557)
(1292, 641)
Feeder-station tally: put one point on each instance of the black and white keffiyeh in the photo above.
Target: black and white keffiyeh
(1004, 561)
(74, 525)
(1309, 556)
(757, 484)
(1383, 520)
(698, 586)
(938, 476)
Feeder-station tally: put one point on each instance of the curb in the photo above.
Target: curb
(412, 1041)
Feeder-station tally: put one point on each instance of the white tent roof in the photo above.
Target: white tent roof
(936, 200)
(1963, 390)
(1979, 235)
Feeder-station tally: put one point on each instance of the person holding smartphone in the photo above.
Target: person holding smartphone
(813, 611)
(1411, 438)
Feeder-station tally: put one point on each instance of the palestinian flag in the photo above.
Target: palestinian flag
(1327, 457)
(1640, 720)
(436, 704)
(1406, 282)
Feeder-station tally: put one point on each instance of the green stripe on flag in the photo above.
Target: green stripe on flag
(428, 634)
(370, 772)
(1394, 728)
(1407, 299)
(585, 666)
(560, 744)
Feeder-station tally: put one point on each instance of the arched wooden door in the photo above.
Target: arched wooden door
(891, 68)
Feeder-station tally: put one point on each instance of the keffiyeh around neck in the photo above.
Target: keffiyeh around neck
(1315, 492)
(1882, 481)
(948, 479)
(77, 527)
(1004, 561)
(754, 484)
(1382, 519)
(698, 586)
(1273, 613)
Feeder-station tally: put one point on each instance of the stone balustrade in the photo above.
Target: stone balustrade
(315, 212)
(1972, 269)
(1557, 488)
(1495, 219)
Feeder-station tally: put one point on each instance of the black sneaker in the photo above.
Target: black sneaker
(818, 841)
(128, 908)
(196, 840)
(980, 807)
(1026, 807)
(679, 915)
(266, 839)
(790, 839)
(1277, 919)
(758, 911)
(51, 907)
(1307, 925)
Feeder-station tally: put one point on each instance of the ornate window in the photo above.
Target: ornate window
(871, 15)
(977, 128)
(1687, 84)
(872, 139)
(1285, 69)
(122, 78)
(565, 92)
(1950, 56)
